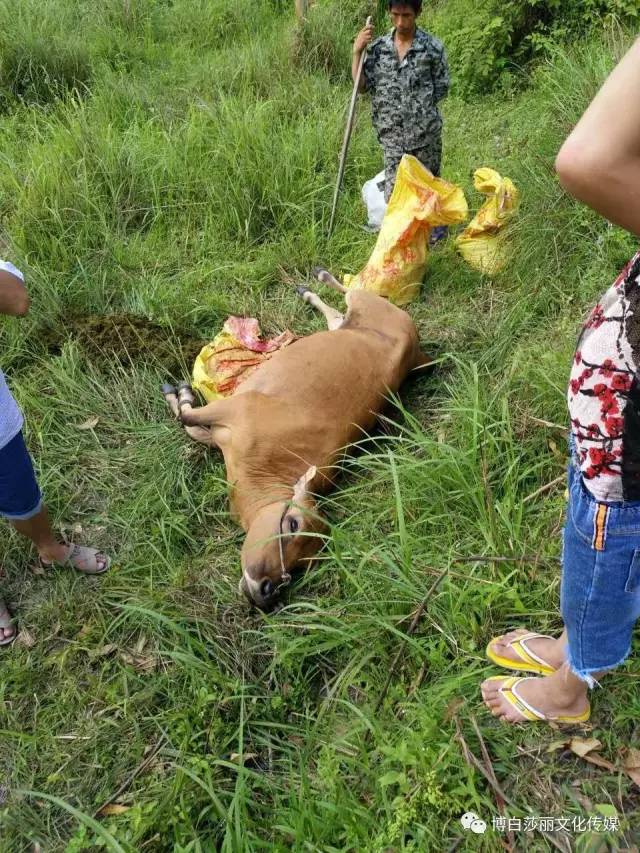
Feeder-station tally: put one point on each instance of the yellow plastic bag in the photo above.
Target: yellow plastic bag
(232, 356)
(481, 244)
(418, 203)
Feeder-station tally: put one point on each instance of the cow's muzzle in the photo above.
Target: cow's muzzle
(265, 599)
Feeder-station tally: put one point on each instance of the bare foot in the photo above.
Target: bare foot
(548, 649)
(56, 552)
(553, 697)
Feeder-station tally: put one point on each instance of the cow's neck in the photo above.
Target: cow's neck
(248, 500)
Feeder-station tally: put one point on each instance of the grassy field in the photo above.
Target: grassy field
(175, 161)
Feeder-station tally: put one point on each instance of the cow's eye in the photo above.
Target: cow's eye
(293, 525)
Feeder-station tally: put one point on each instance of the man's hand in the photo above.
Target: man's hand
(14, 299)
(362, 39)
(359, 46)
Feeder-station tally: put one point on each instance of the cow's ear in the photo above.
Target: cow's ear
(301, 488)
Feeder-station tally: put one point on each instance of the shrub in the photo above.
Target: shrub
(487, 40)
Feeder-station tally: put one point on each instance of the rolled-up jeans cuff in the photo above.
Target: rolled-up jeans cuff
(23, 516)
(586, 674)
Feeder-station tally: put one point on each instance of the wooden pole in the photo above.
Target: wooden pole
(347, 136)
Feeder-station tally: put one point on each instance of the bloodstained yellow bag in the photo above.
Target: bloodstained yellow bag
(481, 244)
(232, 356)
(419, 202)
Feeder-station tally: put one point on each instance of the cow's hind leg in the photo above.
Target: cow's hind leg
(174, 399)
(334, 318)
(325, 277)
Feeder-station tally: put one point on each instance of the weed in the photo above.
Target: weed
(165, 164)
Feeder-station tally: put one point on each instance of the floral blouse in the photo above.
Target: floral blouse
(604, 392)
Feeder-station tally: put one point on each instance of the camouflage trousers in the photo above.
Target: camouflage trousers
(429, 155)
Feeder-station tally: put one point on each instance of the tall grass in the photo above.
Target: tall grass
(176, 161)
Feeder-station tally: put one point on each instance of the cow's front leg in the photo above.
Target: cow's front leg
(174, 399)
(334, 318)
(217, 414)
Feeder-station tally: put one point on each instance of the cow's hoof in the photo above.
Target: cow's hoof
(185, 395)
(167, 389)
(302, 289)
(325, 277)
(320, 273)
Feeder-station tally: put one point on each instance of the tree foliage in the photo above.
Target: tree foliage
(490, 39)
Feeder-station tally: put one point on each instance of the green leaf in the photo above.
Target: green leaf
(606, 810)
(392, 777)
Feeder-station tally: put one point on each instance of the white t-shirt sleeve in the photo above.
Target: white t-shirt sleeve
(9, 267)
(10, 414)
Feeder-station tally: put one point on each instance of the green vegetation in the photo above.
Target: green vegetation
(492, 40)
(175, 161)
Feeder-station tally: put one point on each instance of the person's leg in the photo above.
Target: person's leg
(392, 159)
(430, 156)
(562, 694)
(19, 498)
(600, 603)
(21, 505)
(51, 550)
(38, 529)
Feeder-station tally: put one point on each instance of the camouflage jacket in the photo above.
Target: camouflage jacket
(405, 95)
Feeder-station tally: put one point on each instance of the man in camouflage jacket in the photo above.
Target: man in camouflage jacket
(407, 75)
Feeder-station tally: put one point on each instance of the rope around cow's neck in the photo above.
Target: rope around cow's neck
(285, 577)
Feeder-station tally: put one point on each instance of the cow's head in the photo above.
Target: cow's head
(283, 536)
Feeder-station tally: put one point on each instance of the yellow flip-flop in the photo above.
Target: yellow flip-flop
(527, 661)
(509, 689)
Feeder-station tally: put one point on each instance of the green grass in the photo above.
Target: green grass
(176, 161)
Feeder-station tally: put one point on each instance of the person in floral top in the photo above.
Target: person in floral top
(599, 164)
(603, 395)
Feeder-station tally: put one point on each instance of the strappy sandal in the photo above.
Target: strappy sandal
(6, 621)
(82, 559)
(527, 661)
(509, 689)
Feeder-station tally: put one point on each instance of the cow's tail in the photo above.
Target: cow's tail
(325, 277)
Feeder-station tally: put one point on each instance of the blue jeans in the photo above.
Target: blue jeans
(600, 595)
(20, 497)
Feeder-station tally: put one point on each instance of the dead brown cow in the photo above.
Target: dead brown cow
(285, 429)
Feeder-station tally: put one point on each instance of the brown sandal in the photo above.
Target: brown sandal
(89, 561)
